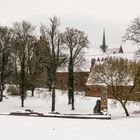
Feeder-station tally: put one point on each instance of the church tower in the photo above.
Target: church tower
(103, 46)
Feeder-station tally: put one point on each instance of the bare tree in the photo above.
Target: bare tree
(133, 32)
(23, 44)
(118, 76)
(5, 53)
(54, 57)
(75, 41)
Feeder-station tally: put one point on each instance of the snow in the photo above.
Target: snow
(42, 103)
(54, 129)
(35, 128)
(127, 55)
(96, 53)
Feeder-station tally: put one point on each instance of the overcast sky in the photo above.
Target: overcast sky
(88, 15)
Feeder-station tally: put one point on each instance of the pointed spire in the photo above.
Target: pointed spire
(121, 49)
(103, 46)
(104, 42)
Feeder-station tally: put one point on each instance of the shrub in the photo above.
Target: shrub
(13, 90)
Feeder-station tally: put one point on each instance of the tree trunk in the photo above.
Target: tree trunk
(32, 90)
(53, 99)
(49, 76)
(125, 109)
(50, 87)
(1, 95)
(22, 101)
(71, 83)
(22, 96)
(16, 73)
(69, 98)
(22, 82)
(73, 108)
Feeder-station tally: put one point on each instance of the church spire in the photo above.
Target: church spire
(104, 43)
(103, 46)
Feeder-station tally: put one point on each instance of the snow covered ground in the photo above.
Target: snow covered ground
(35, 128)
(25, 128)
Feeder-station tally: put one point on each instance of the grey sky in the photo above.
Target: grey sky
(88, 15)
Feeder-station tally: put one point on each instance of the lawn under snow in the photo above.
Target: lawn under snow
(35, 128)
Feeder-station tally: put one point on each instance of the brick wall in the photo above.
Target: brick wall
(80, 78)
(95, 91)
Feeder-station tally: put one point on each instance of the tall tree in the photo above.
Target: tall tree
(133, 34)
(23, 45)
(54, 56)
(75, 41)
(136, 77)
(119, 76)
(5, 53)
